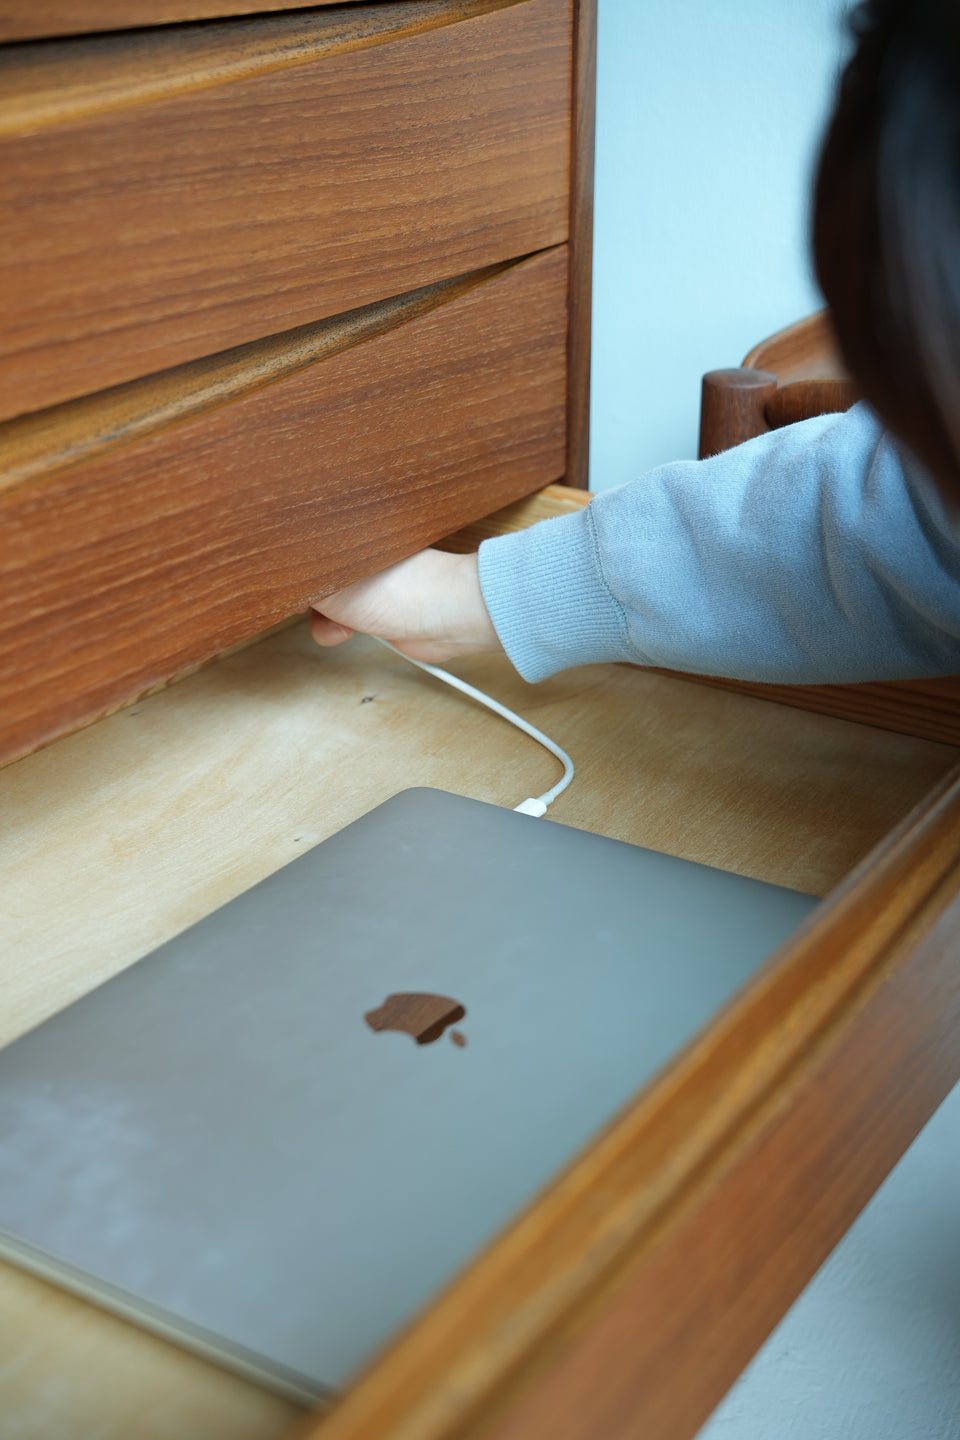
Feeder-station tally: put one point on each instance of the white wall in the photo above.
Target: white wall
(708, 117)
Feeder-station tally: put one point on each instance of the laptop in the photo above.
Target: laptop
(277, 1135)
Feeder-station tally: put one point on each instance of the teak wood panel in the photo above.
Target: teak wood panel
(121, 571)
(46, 85)
(582, 147)
(32, 19)
(928, 708)
(158, 232)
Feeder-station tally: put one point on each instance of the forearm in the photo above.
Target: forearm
(806, 556)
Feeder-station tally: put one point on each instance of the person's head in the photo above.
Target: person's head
(886, 228)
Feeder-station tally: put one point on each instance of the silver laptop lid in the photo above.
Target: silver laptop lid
(230, 1143)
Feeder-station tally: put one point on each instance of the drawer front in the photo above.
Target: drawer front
(28, 19)
(172, 225)
(127, 567)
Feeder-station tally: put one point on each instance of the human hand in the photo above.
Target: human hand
(429, 606)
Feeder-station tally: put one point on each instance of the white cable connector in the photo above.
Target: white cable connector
(535, 805)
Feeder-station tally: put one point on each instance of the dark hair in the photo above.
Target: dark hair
(886, 228)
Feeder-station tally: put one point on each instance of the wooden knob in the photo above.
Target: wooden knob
(732, 408)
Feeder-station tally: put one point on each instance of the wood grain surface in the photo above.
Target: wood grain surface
(739, 404)
(806, 350)
(147, 236)
(40, 445)
(545, 504)
(151, 818)
(117, 573)
(802, 399)
(582, 148)
(146, 821)
(32, 19)
(930, 708)
(73, 80)
(733, 406)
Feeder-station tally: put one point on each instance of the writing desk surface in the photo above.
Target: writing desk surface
(119, 836)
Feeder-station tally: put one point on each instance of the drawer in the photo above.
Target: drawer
(637, 1261)
(166, 194)
(76, 17)
(153, 527)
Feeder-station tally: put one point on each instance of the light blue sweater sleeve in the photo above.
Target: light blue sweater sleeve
(819, 552)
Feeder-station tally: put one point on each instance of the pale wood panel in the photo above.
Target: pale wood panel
(545, 504)
(140, 239)
(153, 817)
(146, 821)
(118, 573)
(69, 1371)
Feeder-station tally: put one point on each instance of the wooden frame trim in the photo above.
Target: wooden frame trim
(650, 1257)
(804, 350)
(581, 241)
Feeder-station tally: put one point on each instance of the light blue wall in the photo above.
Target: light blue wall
(708, 117)
(709, 112)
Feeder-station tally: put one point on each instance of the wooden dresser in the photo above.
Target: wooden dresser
(287, 295)
(284, 299)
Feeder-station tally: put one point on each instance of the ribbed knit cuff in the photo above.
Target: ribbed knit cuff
(547, 597)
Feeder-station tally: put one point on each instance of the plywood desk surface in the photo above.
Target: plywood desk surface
(117, 837)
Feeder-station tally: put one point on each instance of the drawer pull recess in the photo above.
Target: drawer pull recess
(70, 80)
(186, 514)
(43, 444)
(160, 208)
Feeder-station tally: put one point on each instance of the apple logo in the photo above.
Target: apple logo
(423, 1016)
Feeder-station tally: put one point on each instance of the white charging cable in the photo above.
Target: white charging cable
(536, 804)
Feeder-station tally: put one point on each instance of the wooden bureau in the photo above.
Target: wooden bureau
(284, 299)
(288, 295)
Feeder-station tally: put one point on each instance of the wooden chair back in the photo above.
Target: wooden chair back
(792, 375)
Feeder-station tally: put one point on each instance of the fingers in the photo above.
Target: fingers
(430, 606)
(328, 632)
